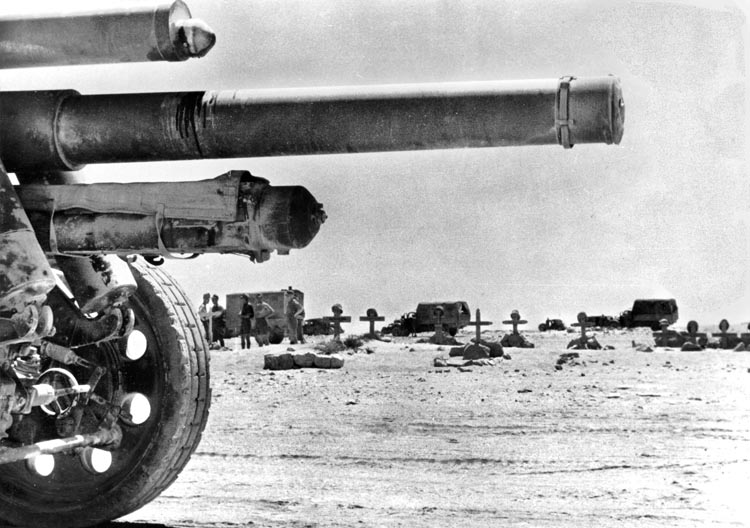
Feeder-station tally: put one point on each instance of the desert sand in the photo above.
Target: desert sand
(623, 438)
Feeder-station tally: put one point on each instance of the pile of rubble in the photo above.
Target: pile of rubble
(293, 360)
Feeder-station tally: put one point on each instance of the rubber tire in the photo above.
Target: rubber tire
(178, 369)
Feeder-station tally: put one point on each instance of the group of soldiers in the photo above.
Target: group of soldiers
(254, 315)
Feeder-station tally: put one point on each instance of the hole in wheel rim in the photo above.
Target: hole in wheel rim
(96, 460)
(136, 408)
(136, 345)
(42, 464)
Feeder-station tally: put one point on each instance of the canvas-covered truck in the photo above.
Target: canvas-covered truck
(104, 368)
(649, 312)
(277, 322)
(453, 315)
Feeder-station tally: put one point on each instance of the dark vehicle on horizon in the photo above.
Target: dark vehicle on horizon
(453, 315)
(603, 321)
(317, 326)
(648, 312)
(552, 324)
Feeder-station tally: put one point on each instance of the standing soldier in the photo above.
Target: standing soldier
(295, 315)
(219, 320)
(247, 314)
(203, 314)
(262, 311)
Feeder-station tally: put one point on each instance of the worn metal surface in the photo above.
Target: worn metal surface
(154, 32)
(101, 437)
(63, 130)
(249, 216)
(98, 282)
(25, 275)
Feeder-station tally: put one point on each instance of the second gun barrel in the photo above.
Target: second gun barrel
(65, 130)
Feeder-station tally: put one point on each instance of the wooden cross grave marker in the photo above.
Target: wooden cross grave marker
(372, 316)
(479, 324)
(693, 335)
(745, 337)
(726, 339)
(661, 337)
(336, 319)
(583, 323)
(515, 320)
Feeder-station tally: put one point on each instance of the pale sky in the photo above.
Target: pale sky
(543, 230)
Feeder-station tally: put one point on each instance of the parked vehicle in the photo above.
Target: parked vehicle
(317, 326)
(551, 324)
(453, 315)
(648, 313)
(603, 321)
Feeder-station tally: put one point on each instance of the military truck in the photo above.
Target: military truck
(453, 315)
(277, 321)
(648, 313)
(104, 384)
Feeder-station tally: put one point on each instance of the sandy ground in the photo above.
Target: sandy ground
(623, 439)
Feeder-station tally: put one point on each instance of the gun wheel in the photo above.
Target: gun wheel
(172, 375)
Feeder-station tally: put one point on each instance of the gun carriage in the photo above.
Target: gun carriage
(104, 381)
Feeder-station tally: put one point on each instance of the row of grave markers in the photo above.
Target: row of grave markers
(372, 317)
(726, 339)
(692, 335)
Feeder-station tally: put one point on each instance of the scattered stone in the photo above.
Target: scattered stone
(516, 341)
(523, 391)
(689, 346)
(288, 361)
(278, 361)
(587, 343)
(336, 361)
(304, 359)
(290, 349)
(567, 357)
(643, 348)
(456, 351)
(496, 349)
(464, 369)
(741, 347)
(558, 367)
(321, 361)
(474, 351)
(609, 347)
(439, 362)
(482, 362)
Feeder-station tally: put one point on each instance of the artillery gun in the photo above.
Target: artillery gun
(104, 382)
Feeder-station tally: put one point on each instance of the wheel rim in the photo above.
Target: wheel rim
(72, 486)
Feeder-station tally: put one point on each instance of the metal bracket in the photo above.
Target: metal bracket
(562, 114)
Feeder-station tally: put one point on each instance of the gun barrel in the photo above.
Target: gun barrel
(117, 34)
(65, 130)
